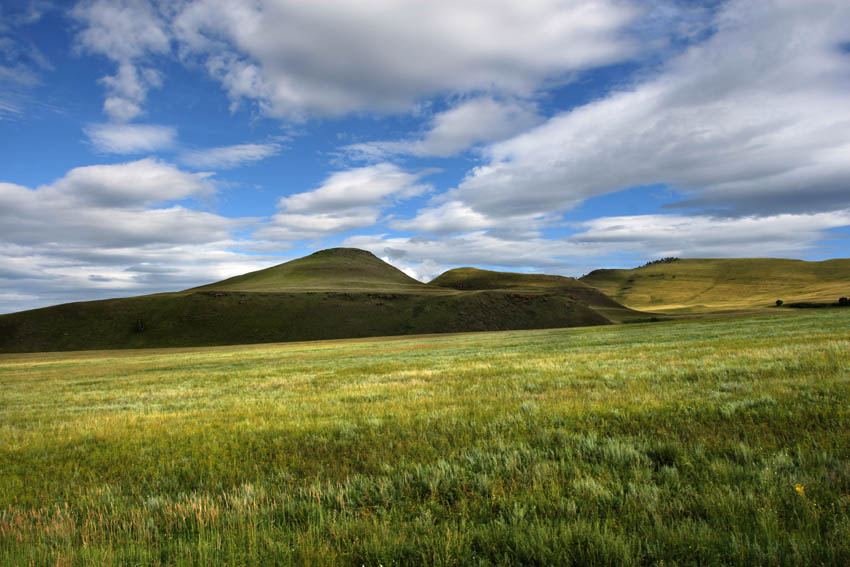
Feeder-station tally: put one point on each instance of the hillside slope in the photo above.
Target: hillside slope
(337, 293)
(335, 269)
(477, 279)
(695, 285)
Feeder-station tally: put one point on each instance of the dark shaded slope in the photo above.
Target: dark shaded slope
(219, 318)
(537, 284)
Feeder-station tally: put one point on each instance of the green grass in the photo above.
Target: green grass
(702, 285)
(701, 442)
(474, 278)
(334, 269)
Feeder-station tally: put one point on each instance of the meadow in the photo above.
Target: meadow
(700, 285)
(722, 441)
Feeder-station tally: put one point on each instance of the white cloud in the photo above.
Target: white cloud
(52, 274)
(449, 217)
(125, 31)
(444, 217)
(703, 236)
(110, 205)
(113, 230)
(358, 187)
(296, 58)
(754, 119)
(121, 109)
(607, 241)
(133, 184)
(120, 29)
(346, 200)
(473, 121)
(131, 138)
(228, 157)
(286, 227)
(470, 249)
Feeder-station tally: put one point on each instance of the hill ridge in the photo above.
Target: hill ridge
(477, 278)
(330, 294)
(708, 284)
(325, 270)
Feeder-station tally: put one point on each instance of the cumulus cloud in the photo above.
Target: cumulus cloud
(476, 248)
(330, 58)
(133, 184)
(131, 138)
(474, 121)
(346, 200)
(110, 230)
(352, 188)
(229, 157)
(754, 119)
(51, 273)
(610, 241)
(125, 31)
(449, 217)
(110, 205)
(705, 236)
(120, 29)
(424, 271)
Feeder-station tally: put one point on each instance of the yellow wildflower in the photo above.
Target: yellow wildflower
(800, 490)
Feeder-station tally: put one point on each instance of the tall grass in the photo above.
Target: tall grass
(710, 442)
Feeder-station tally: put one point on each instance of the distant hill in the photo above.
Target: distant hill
(336, 293)
(698, 285)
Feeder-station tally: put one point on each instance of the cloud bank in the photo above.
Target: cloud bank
(302, 58)
(346, 200)
(111, 230)
(754, 120)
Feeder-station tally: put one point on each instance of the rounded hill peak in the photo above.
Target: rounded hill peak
(342, 253)
(333, 269)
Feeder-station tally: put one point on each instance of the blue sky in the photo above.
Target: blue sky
(153, 145)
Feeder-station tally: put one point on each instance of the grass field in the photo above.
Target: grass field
(705, 285)
(699, 442)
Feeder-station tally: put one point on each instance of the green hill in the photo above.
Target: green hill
(335, 269)
(476, 279)
(699, 285)
(337, 293)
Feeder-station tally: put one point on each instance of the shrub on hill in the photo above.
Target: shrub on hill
(667, 260)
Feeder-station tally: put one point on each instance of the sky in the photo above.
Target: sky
(156, 145)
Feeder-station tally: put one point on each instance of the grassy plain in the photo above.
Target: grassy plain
(709, 442)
